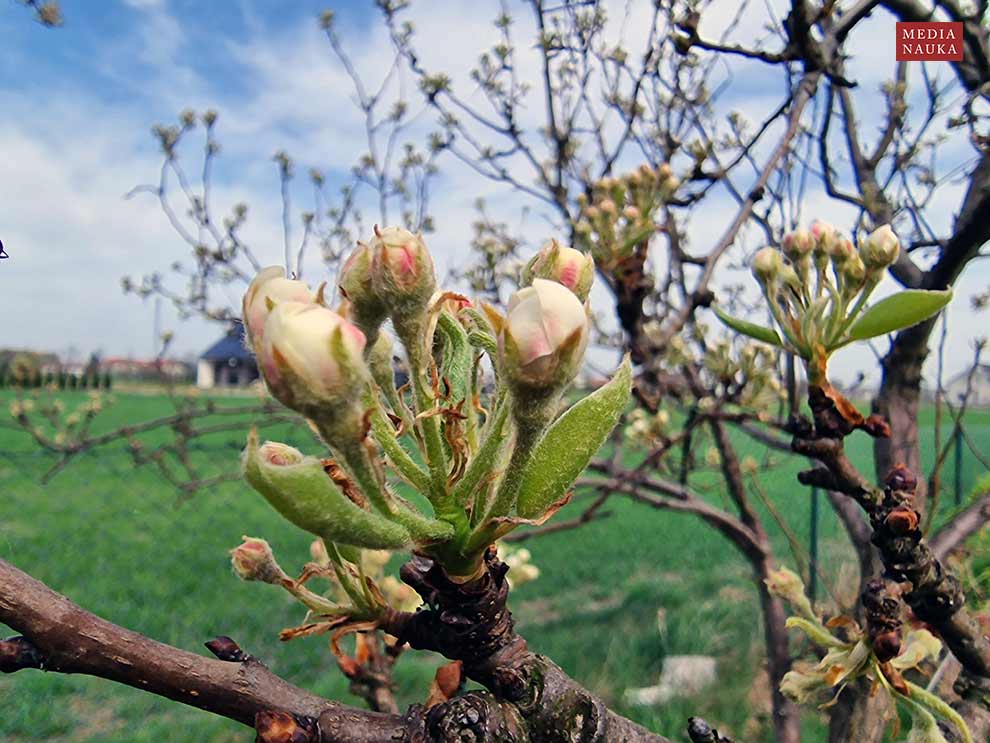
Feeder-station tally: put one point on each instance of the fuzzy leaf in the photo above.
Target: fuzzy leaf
(760, 333)
(305, 495)
(569, 444)
(898, 311)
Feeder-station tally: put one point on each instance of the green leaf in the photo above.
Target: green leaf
(569, 444)
(760, 333)
(898, 311)
(305, 495)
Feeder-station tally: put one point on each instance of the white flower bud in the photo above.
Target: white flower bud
(311, 356)
(767, 265)
(881, 248)
(270, 287)
(544, 337)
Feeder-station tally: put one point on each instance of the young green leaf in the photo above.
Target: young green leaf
(569, 444)
(303, 493)
(898, 311)
(760, 333)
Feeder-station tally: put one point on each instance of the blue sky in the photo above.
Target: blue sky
(79, 102)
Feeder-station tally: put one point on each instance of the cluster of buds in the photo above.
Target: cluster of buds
(816, 286)
(747, 374)
(482, 453)
(620, 213)
(391, 275)
(857, 655)
(646, 429)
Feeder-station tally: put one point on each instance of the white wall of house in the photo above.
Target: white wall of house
(980, 393)
(204, 374)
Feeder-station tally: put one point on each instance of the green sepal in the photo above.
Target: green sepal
(759, 332)
(896, 312)
(564, 451)
(305, 495)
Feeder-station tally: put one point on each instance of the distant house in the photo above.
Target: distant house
(227, 363)
(123, 369)
(980, 394)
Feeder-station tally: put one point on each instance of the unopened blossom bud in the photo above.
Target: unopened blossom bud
(566, 266)
(542, 343)
(632, 213)
(592, 212)
(311, 356)
(788, 585)
(269, 288)
(366, 308)
(853, 271)
(607, 206)
(767, 265)
(824, 234)
(797, 244)
(841, 250)
(254, 560)
(402, 270)
(881, 248)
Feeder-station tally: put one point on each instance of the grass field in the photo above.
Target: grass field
(114, 539)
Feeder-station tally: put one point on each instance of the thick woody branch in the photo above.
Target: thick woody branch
(935, 595)
(530, 699)
(470, 622)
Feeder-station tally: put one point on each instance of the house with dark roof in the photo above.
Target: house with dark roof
(227, 363)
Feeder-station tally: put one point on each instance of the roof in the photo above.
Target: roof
(231, 346)
(982, 373)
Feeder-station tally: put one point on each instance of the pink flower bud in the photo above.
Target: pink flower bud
(270, 287)
(881, 248)
(544, 337)
(632, 213)
(311, 356)
(254, 560)
(607, 206)
(841, 250)
(566, 266)
(824, 234)
(767, 265)
(402, 269)
(797, 244)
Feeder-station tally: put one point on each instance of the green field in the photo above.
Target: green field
(117, 540)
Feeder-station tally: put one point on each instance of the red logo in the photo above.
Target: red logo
(930, 42)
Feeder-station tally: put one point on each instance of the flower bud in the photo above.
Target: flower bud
(853, 271)
(402, 269)
(542, 343)
(311, 356)
(824, 234)
(254, 560)
(767, 265)
(607, 206)
(355, 281)
(269, 287)
(881, 248)
(632, 213)
(788, 585)
(566, 266)
(797, 244)
(841, 250)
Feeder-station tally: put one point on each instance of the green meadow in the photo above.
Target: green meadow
(613, 599)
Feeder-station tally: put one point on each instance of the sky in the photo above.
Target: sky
(79, 103)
